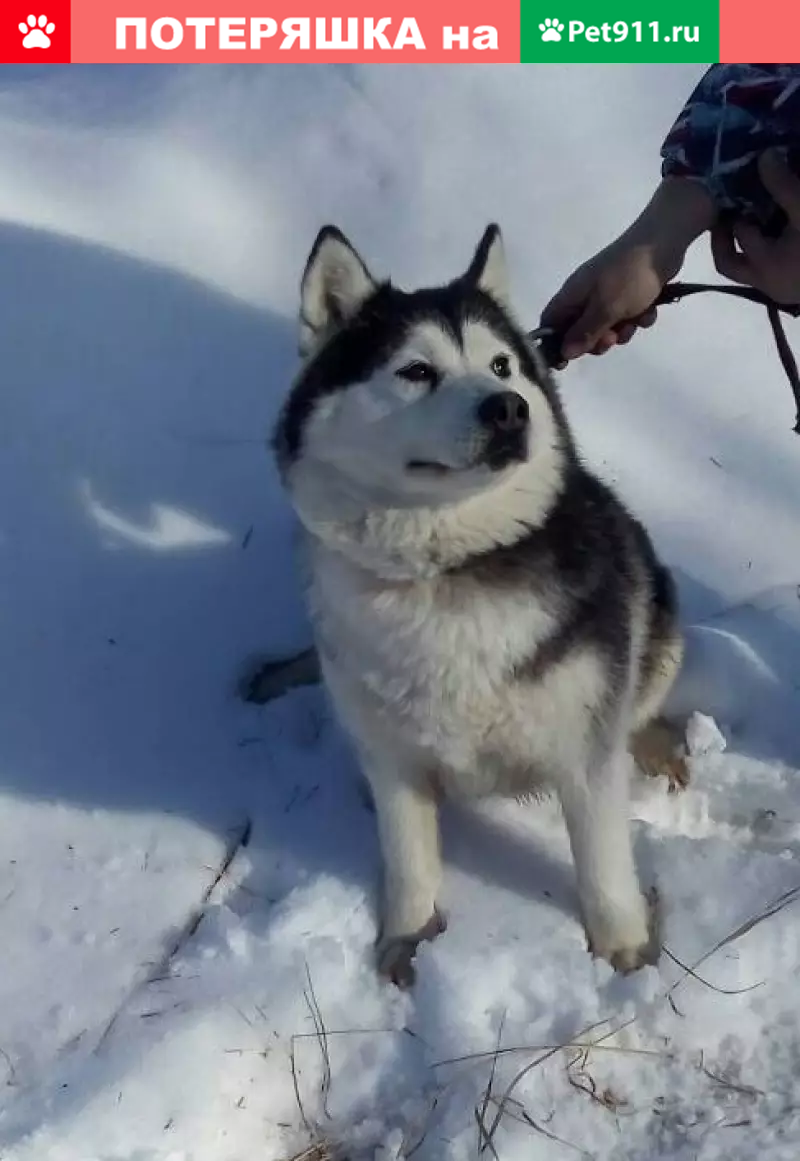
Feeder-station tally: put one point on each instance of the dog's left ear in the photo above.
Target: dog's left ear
(335, 284)
(488, 270)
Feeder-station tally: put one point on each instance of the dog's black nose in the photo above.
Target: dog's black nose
(504, 411)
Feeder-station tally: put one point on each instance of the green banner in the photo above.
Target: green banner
(619, 31)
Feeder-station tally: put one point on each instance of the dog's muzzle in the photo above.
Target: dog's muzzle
(505, 418)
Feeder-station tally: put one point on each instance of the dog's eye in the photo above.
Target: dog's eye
(501, 367)
(419, 372)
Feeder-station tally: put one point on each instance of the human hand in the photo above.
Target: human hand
(604, 302)
(771, 265)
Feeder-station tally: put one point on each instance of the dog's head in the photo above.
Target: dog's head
(413, 400)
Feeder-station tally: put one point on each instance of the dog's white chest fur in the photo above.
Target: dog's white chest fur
(432, 664)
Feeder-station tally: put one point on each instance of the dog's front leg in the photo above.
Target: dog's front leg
(616, 915)
(409, 834)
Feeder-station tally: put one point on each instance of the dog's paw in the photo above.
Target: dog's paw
(629, 942)
(626, 960)
(396, 953)
(266, 680)
(659, 751)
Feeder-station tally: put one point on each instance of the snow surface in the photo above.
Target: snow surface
(153, 225)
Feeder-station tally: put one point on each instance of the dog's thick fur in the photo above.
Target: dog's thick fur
(490, 619)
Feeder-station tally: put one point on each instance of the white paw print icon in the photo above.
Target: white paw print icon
(551, 29)
(36, 33)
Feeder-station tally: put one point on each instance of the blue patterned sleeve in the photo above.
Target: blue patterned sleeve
(733, 115)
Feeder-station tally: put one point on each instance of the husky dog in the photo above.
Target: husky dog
(489, 618)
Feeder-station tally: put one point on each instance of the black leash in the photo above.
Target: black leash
(550, 341)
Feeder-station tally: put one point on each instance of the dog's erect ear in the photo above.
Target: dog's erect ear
(335, 284)
(488, 269)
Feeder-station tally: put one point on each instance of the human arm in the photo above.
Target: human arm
(710, 175)
(610, 296)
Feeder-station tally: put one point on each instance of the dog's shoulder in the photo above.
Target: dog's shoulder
(586, 529)
(584, 567)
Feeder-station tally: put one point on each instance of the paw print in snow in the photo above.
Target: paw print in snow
(551, 29)
(36, 37)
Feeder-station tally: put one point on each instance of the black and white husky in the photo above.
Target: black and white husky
(489, 618)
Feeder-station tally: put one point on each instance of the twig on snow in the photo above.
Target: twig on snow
(707, 983)
(322, 1038)
(237, 843)
(480, 1116)
(161, 969)
(11, 1078)
(774, 908)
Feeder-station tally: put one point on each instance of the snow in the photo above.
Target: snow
(153, 225)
